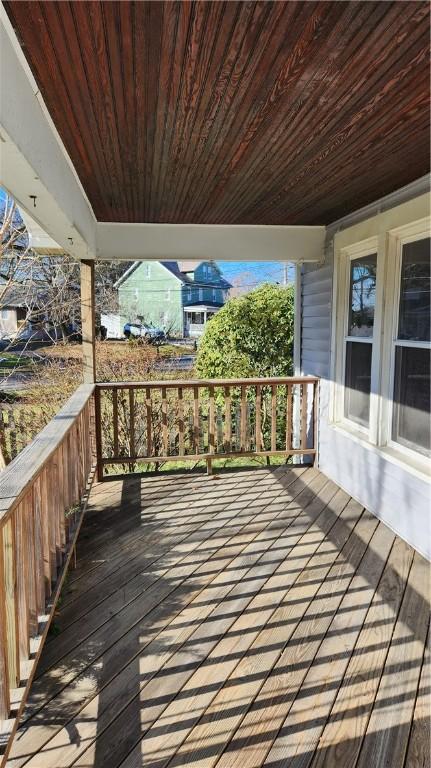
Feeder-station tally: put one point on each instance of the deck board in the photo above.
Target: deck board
(255, 618)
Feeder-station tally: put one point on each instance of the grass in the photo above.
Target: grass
(218, 464)
(9, 361)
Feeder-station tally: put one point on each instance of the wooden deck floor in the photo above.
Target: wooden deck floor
(259, 619)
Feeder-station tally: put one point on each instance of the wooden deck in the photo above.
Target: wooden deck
(257, 618)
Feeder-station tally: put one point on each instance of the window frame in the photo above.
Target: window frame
(368, 247)
(397, 238)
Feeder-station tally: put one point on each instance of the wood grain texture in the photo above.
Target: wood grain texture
(224, 623)
(233, 112)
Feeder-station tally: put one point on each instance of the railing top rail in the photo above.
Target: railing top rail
(17, 477)
(169, 383)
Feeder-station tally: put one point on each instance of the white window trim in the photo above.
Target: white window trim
(398, 237)
(387, 244)
(341, 320)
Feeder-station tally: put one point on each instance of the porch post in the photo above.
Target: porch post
(88, 321)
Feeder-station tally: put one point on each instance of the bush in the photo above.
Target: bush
(250, 336)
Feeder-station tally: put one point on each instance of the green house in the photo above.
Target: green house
(178, 296)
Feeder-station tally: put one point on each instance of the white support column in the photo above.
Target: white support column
(88, 321)
(297, 359)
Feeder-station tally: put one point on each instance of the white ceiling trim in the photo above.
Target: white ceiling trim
(205, 242)
(34, 167)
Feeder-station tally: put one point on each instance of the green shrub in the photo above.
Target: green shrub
(250, 336)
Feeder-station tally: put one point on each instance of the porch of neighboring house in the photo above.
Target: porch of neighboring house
(196, 317)
(261, 617)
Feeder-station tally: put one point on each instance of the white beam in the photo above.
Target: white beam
(209, 241)
(33, 161)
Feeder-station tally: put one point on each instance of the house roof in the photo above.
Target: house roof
(174, 267)
(18, 296)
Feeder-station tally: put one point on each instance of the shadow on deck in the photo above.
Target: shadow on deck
(256, 618)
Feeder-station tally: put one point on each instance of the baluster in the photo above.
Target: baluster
(228, 420)
(38, 544)
(211, 421)
(30, 550)
(196, 419)
(289, 411)
(315, 412)
(115, 421)
(274, 417)
(164, 423)
(304, 408)
(63, 503)
(46, 549)
(132, 451)
(22, 567)
(11, 592)
(211, 428)
(149, 417)
(4, 676)
(243, 425)
(180, 422)
(258, 420)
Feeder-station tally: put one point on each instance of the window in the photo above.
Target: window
(168, 294)
(214, 294)
(148, 270)
(189, 294)
(359, 339)
(411, 349)
(382, 354)
(201, 294)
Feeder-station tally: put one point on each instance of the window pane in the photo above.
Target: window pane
(414, 321)
(362, 295)
(358, 381)
(411, 422)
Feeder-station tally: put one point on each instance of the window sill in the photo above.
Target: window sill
(418, 466)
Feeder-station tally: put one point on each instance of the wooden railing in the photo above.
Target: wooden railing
(160, 421)
(41, 493)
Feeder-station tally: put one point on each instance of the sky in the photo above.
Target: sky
(255, 272)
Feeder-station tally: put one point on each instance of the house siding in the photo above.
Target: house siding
(145, 298)
(385, 485)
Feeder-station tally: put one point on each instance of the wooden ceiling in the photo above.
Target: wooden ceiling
(236, 112)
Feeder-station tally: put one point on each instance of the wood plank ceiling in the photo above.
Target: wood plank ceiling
(236, 112)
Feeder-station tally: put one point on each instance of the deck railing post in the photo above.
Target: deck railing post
(88, 321)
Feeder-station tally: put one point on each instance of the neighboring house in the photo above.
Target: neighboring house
(179, 296)
(23, 317)
(365, 330)
(13, 313)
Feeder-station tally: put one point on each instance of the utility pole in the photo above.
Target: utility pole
(285, 273)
